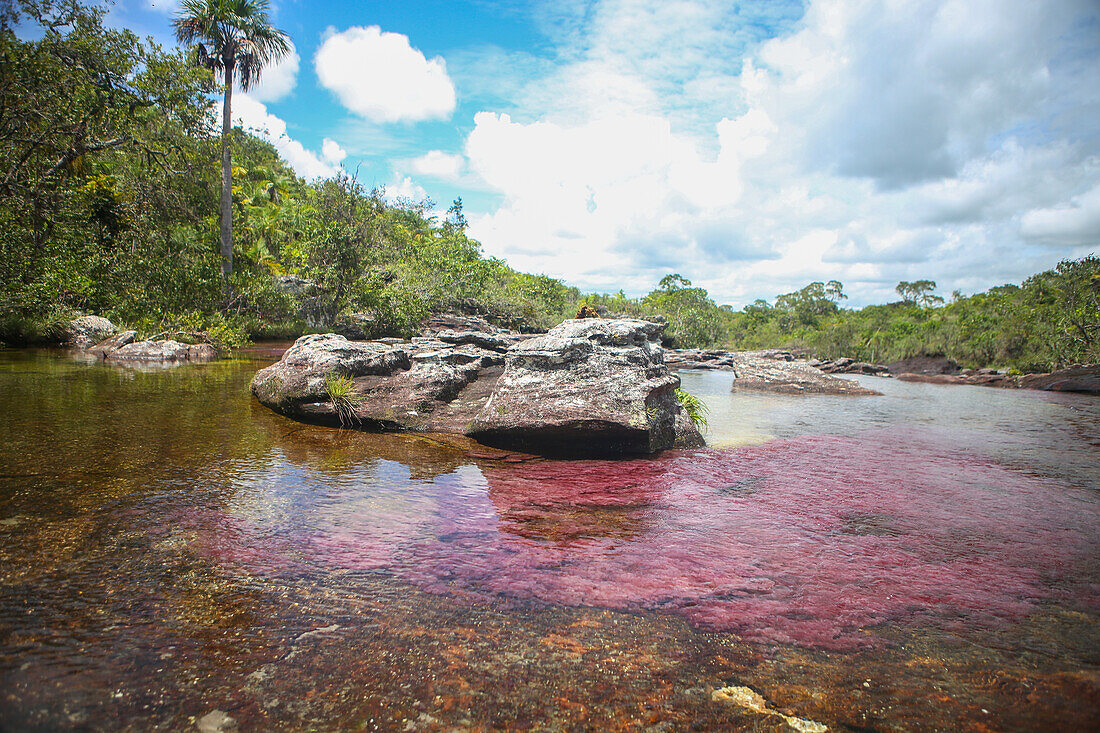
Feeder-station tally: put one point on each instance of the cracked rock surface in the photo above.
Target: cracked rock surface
(589, 385)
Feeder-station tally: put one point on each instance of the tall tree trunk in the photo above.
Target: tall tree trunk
(227, 179)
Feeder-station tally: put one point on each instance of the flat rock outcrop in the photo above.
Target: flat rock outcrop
(976, 378)
(789, 377)
(589, 385)
(122, 348)
(924, 365)
(844, 365)
(595, 388)
(112, 344)
(1084, 378)
(718, 358)
(770, 370)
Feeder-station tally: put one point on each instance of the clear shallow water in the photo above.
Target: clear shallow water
(168, 548)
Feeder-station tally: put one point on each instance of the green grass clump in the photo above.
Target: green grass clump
(696, 409)
(343, 397)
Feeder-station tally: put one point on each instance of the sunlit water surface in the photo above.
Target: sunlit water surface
(925, 559)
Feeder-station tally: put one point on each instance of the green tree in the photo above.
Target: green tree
(235, 40)
(103, 158)
(919, 293)
(806, 306)
(693, 318)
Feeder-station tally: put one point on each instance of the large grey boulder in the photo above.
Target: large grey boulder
(595, 388)
(789, 377)
(88, 330)
(590, 385)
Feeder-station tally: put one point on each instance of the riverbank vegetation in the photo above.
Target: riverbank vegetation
(110, 177)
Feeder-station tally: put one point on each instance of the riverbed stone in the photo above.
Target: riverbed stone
(1084, 378)
(590, 385)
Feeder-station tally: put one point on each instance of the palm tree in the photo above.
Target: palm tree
(235, 40)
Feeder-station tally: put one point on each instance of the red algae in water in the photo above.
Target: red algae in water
(804, 541)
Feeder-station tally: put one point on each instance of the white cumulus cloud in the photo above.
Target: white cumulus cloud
(1075, 223)
(332, 152)
(954, 140)
(437, 164)
(405, 189)
(253, 115)
(380, 76)
(279, 79)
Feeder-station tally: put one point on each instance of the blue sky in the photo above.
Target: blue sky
(751, 146)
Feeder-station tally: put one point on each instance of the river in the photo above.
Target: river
(175, 556)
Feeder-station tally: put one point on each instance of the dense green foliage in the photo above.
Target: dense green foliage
(109, 188)
(109, 183)
(106, 193)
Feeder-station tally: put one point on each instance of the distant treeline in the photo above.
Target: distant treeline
(109, 184)
(1050, 321)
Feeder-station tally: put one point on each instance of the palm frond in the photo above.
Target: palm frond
(237, 32)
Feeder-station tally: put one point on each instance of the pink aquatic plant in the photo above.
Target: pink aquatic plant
(803, 541)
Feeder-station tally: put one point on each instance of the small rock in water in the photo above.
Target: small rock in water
(750, 699)
(742, 697)
(216, 721)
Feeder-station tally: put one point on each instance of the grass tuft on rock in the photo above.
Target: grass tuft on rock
(696, 409)
(343, 397)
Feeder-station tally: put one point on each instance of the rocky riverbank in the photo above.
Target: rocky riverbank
(765, 371)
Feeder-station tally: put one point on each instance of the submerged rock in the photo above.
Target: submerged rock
(589, 385)
(750, 699)
(790, 377)
(88, 330)
(596, 386)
